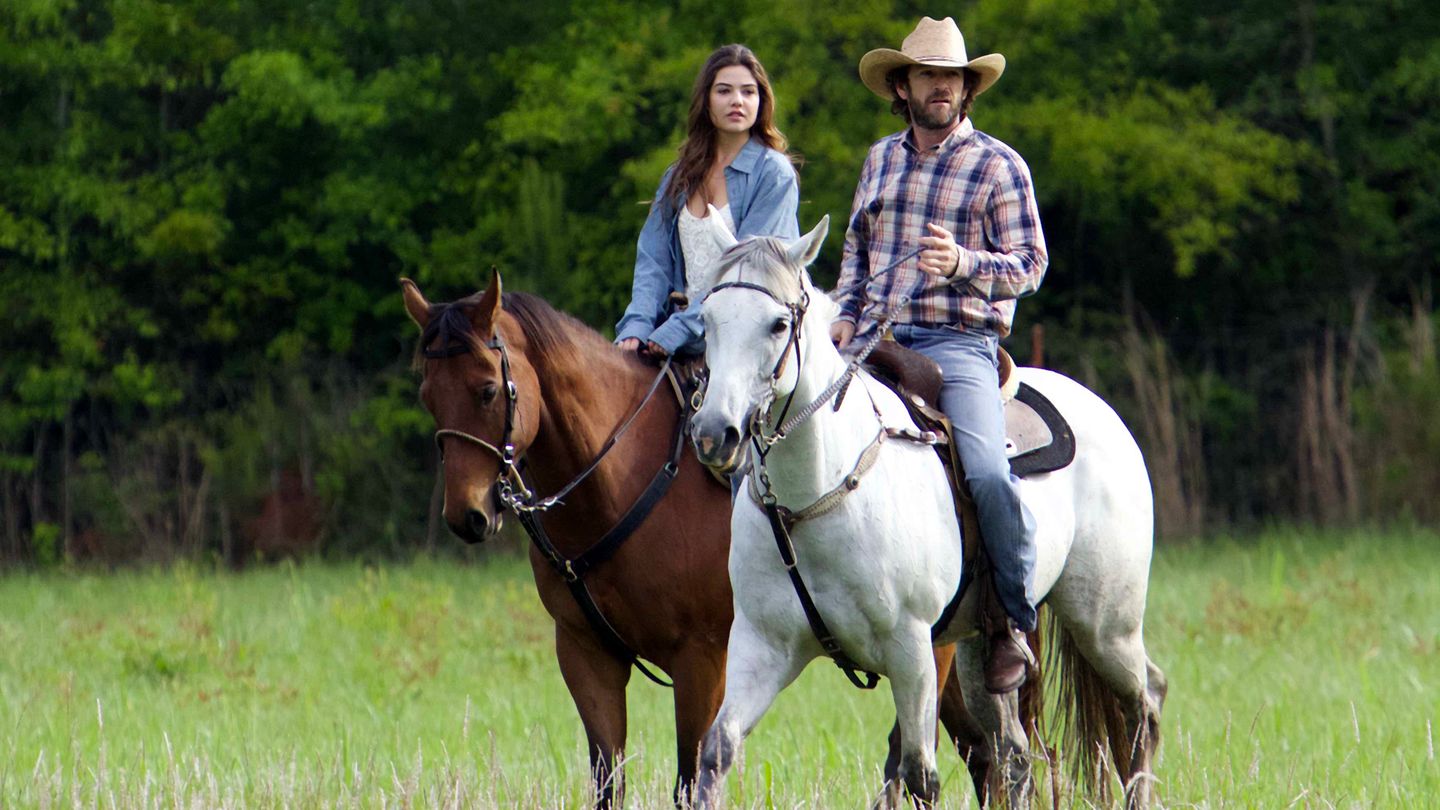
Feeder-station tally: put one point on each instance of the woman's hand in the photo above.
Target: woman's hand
(647, 349)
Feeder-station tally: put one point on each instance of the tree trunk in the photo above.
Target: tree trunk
(437, 505)
(10, 498)
(67, 437)
(227, 536)
(1037, 345)
(37, 480)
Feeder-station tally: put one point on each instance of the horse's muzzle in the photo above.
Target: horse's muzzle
(717, 446)
(475, 526)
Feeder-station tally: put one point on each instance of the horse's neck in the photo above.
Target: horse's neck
(583, 404)
(821, 450)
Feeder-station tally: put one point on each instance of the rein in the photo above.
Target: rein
(517, 497)
(865, 282)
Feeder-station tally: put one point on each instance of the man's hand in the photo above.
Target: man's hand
(841, 332)
(941, 256)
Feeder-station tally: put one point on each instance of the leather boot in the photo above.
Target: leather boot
(1009, 657)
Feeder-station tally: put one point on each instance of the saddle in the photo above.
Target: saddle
(1038, 439)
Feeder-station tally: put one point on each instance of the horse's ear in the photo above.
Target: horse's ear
(488, 310)
(415, 304)
(719, 230)
(804, 250)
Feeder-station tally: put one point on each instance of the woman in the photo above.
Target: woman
(734, 159)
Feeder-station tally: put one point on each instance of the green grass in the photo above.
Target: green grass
(1304, 671)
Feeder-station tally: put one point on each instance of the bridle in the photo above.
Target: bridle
(756, 423)
(505, 452)
(797, 309)
(511, 489)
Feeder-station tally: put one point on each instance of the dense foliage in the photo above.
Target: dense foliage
(204, 207)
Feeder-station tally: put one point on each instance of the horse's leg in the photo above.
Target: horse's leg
(1141, 710)
(1135, 684)
(1142, 736)
(944, 664)
(965, 732)
(910, 662)
(699, 676)
(1156, 687)
(1002, 737)
(755, 672)
(596, 681)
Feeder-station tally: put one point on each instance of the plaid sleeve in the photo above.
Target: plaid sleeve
(855, 263)
(1016, 265)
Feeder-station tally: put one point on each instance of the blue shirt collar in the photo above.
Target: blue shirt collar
(750, 155)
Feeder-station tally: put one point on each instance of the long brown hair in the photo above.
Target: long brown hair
(698, 150)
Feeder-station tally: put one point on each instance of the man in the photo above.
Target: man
(967, 200)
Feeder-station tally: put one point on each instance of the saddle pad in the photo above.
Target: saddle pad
(1038, 439)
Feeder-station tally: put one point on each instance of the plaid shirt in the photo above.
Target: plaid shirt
(973, 186)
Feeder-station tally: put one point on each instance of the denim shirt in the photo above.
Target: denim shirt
(764, 195)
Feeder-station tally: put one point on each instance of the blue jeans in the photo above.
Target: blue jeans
(970, 396)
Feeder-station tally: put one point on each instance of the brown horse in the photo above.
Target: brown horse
(665, 591)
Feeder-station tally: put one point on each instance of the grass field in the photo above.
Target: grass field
(1304, 672)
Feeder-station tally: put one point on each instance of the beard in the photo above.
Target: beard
(921, 116)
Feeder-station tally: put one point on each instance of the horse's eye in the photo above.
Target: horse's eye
(779, 327)
(487, 394)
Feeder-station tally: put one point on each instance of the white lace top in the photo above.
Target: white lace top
(701, 251)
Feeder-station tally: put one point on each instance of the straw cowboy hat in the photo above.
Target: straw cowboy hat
(933, 42)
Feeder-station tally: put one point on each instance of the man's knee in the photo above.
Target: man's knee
(990, 481)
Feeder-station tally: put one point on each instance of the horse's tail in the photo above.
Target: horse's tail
(1032, 692)
(1087, 716)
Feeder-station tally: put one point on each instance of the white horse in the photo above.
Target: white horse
(881, 555)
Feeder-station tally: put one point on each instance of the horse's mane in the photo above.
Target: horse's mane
(555, 337)
(552, 335)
